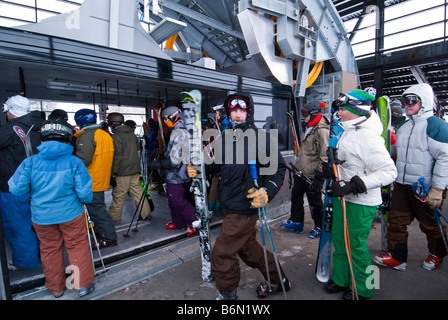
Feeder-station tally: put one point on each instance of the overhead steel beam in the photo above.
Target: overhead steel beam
(200, 17)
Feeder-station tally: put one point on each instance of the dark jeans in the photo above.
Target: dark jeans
(299, 188)
(100, 217)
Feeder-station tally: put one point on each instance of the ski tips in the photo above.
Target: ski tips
(193, 96)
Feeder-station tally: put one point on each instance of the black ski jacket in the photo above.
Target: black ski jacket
(12, 150)
(236, 179)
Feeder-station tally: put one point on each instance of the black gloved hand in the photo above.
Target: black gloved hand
(159, 164)
(318, 181)
(113, 182)
(342, 188)
(327, 172)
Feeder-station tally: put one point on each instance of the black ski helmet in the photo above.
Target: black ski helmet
(115, 119)
(56, 130)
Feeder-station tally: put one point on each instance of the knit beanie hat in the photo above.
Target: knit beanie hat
(314, 109)
(359, 102)
(17, 105)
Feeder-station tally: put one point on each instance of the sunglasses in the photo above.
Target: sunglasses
(234, 103)
(410, 100)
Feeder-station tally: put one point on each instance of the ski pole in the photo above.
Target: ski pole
(262, 212)
(126, 235)
(421, 192)
(89, 225)
(253, 171)
(148, 195)
(334, 161)
(436, 215)
(441, 214)
(298, 173)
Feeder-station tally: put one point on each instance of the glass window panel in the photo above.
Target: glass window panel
(414, 36)
(55, 5)
(17, 12)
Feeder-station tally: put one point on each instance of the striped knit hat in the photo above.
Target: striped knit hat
(360, 101)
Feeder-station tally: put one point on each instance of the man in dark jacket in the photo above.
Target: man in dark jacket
(125, 168)
(19, 139)
(239, 199)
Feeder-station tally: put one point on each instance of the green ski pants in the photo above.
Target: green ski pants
(359, 221)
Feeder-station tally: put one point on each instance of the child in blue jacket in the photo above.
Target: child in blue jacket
(59, 184)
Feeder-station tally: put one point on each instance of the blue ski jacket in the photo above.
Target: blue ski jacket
(58, 182)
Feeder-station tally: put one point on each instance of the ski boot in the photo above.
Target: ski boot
(264, 289)
(86, 290)
(432, 262)
(315, 233)
(190, 231)
(170, 226)
(332, 287)
(231, 295)
(386, 259)
(292, 226)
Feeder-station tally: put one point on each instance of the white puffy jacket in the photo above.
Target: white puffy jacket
(422, 144)
(362, 149)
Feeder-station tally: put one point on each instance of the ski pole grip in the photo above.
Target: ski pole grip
(424, 186)
(330, 155)
(253, 169)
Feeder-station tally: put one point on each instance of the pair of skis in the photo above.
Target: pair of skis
(323, 262)
(384, 113)
(191, 107)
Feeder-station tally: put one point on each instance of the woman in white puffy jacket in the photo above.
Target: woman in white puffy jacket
(366, 166)
(422, 152)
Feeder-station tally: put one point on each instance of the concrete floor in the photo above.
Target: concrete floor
(172, 272)
(297, 255)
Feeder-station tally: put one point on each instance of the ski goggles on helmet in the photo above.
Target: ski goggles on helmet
(238, 102)
(356, 106)
(5, 108)
(410, 100)
(342, 100)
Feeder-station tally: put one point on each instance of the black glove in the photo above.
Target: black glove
(113, 182)
(159, 164)
(327, 172)
(342, 188)
(318, 181)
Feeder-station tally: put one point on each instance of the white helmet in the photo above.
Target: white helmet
(17, 105)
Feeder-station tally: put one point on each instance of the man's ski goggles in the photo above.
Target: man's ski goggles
(237, 102)
(304, 113)
(410, 100)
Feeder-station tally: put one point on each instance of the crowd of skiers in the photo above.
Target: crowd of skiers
(420, 150)
(53, 180)
(49, 172)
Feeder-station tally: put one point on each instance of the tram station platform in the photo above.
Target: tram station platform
(172, 271)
